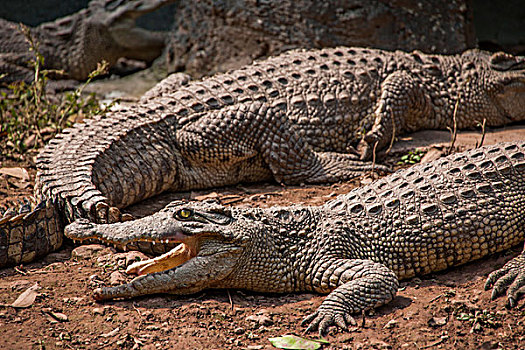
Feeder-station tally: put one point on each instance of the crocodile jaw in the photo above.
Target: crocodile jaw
(175, 257)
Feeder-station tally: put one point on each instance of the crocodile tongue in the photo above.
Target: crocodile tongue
(175, 257)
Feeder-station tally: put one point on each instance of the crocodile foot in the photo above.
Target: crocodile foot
(511, 277)
(324, 317)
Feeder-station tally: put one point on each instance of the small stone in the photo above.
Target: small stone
(110, 334)
(57, 256)
(59, 316)
(133, 256)
(116, 278)
(239, 330)
(391, 324)
(261, 320)
(94, 278)
(476, 327)
(254, 347)
(87, 251)
(437, 321)
(99, 311)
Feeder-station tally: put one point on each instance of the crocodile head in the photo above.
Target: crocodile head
(117, 19)
(509, 72)
(496, 93)
(201, 229)
(221, 247)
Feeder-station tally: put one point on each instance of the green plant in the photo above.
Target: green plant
(30, 115)
(412, 157)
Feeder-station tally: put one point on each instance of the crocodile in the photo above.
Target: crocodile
(306, 116)
(105, 30)
(355, 248)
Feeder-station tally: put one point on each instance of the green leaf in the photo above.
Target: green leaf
(291, 341)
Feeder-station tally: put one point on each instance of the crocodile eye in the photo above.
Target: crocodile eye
(184, 214)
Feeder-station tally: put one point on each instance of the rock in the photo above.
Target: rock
(261, 320)
(391, 324)
(116, 278)
(133, 256)
(239, 330)
(87, 251)
(59, 316)
(58, 256)
(221, 35)
(110, 334)
(99, 311)
(437, 321)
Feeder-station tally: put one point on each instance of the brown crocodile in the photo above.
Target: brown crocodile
(295, 118)
(419, 220)
(105, 30)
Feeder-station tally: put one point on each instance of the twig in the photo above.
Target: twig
(435, 298)
(230, 297)
(483, 132)
(373, 160)
(140, 315)
(17, 269)
(455, 130)
(433, 344)
(363, 319)
(393, 133)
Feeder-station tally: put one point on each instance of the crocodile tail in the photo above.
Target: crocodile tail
(27, 236)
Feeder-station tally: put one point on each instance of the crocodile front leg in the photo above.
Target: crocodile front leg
(255, 129)
(402, 100)
(355, 285)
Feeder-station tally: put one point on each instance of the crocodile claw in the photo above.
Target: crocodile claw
(323, 318)
(511, 277)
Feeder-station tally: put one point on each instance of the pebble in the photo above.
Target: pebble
(116, 278)
(99, 311)
(437, 321)
(262, 320)
(391, 324)
(86, 251)
(59, 316)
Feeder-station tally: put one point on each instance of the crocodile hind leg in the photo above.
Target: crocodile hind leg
(355, 285)
(245, 131)
(510, 277)
(401, 103)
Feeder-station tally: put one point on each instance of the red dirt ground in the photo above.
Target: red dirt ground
(448, 310)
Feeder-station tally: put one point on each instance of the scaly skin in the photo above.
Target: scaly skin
(417, 221)
(105, 30)
(295, 118)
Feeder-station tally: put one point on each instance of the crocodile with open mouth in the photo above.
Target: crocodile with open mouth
(306, 116)
(356, 247)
